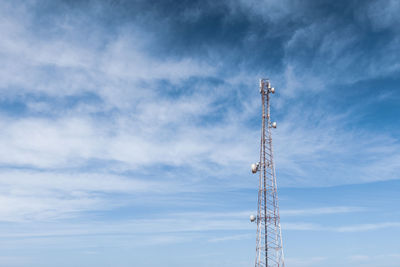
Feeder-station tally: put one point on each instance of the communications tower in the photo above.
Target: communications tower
(269, 247)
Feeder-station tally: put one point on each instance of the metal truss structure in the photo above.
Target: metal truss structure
(269, 247)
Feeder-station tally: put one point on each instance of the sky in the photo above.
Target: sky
(128, 129)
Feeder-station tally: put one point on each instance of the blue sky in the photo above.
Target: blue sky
(129, 127)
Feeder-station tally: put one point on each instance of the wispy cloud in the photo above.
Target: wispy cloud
(151, 110)
(40, 196)
(341, 229)
(126, 79)
(231, 237)
(321, 211)
(374, 259)
(368, 227)
(314, 261)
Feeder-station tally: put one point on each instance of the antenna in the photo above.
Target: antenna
(269, 248)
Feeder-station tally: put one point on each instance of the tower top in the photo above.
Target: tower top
(265, 87)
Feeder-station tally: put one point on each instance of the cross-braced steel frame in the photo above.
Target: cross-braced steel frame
(269, 237)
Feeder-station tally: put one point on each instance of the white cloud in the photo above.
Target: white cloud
(382, 14)
(66, 66)
(298, 262)
(270, 10)
(158, 130)
(146, 128)
(374, 259)
(300, 226)
(33, 195)
(230, 238)
(316, 140)
(362, 258)
(135, 128)
(48, 142)
(368, 227)
(321, 211)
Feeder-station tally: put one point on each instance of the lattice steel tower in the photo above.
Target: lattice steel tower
(269, 237)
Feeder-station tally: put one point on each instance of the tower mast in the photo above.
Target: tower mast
(269, 249)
